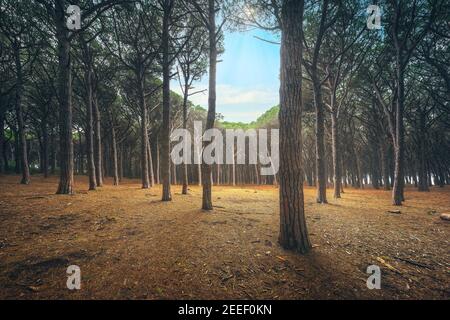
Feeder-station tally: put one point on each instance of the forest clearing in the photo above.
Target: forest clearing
(224, 149)
(131, 245)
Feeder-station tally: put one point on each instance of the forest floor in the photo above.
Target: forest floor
(130, 245)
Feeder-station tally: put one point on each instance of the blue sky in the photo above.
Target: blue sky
(247, 77)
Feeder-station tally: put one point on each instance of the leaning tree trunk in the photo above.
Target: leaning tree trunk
(151, 175)
(211, 117)
(20, 122)
(293, 230)
(65, 102)
(336, 155)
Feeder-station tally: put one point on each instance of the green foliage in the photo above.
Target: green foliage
(266, 120)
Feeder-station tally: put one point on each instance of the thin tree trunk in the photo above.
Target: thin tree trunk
(397, 191)
(151, 175)
(158, 161)
(199, 166)
(114, 154)
(423, 182)
(211, 117)
(89, 125)
(20, 122)
(3, 158)
(185, 166)
(337, 179)
(52, 153)
(120, 163)
(45, 157)
(144, 137)
(97, 143)
(320, 142)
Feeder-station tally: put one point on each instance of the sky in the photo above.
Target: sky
(247, 77)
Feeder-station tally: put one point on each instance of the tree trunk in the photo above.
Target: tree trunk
(211, 117)
(144, 136)
(120, 163)
(151, 175)
(114, 154)
(185, 166)
(199, 165)
(20, 122)
(165, 145)
(359, 172)
(320, 142)
(89, 126)
(97, 142)
(45, 156)
(336, 155)
(423, 181)
(16, 147)
(375, 165)
(397, 191)
(65, 100)
(3, 158)
(158, 161)
(293, 230)
(52, 153)
(384, 165)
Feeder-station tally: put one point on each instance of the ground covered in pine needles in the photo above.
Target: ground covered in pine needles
(130, 245)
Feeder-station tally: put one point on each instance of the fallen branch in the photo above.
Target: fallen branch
(414, 263)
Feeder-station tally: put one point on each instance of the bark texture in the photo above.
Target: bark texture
(293, 230)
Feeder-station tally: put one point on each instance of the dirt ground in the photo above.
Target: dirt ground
(130, 245)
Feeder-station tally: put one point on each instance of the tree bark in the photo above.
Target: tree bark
(3, 160)
(165, 145)
(144, 137)
(385, 166)
(20, 122)
(158, 162)
(423, 181)
(114, 153)
(89, 125)
(65, 101)
(185, 106)
(97, 142)
(52, 152)
(320, 142)
(397, 191)
(293, 230)
(45, 155)
(336, 155)
(211, 117)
